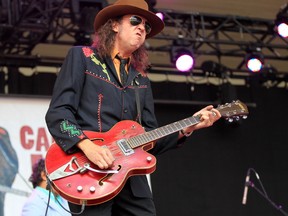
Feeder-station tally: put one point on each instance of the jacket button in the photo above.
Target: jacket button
(125, 110)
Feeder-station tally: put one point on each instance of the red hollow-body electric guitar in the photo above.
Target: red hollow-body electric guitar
(79, 181)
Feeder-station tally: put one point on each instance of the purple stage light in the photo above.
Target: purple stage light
(160, 15)
(184, 62)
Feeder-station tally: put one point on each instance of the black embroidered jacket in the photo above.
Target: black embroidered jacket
(89, 96)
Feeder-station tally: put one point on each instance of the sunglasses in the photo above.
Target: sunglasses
(136, 20)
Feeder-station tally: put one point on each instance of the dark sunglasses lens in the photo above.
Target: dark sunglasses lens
(135, 20)
(147, 28)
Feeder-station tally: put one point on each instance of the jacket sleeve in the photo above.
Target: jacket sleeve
(60, 117)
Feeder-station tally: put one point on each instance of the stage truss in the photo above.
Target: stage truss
(221, 38)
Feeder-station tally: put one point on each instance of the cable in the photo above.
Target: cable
(260, 182)
(46, 211)
(49, 187)
(263, 193)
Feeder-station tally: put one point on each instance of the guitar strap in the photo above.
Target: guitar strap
(136, 85)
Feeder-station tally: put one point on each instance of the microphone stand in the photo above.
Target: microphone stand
(278, 207)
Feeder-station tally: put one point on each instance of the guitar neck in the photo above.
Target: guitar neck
(163, 131)
(228, 111)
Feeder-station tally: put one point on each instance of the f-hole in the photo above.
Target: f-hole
(107, 176)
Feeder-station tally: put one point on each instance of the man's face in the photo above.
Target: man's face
(131, 32)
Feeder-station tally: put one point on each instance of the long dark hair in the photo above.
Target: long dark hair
(104, 41)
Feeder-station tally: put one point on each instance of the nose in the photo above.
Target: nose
(142, 26)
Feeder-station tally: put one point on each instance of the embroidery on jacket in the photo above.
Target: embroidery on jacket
(100, 96)
(102, 78)
(70, 129)
(89, 53)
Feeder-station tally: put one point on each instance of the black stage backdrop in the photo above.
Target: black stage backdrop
(206, 176)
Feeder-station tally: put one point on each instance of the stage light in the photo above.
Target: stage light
(184, 62)
(281, 22)
(182, 57)
(160, 15)
(254, 61)
(151, 6)
(282, 30)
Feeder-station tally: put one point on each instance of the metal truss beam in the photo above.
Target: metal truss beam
(222, 36)
(24, 24)
(28, 23)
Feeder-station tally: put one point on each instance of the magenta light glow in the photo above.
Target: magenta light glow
(160, 15)
(184, 63)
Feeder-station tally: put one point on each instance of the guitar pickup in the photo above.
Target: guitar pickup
(125, 147)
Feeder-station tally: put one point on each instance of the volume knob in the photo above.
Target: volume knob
(92, 189)
(79, 188)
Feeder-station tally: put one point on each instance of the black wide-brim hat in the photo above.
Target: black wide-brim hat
(124, 7)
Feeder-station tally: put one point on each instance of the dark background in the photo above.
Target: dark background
(206, 176)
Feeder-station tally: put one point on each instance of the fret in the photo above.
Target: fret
(160, 131)
(144, 138)
(138, 138)
(177, 126)
(169, 129)
(153, 136)
(150, 138)
(157, 133)
(132, 143)
(136, 141)
(184, 122)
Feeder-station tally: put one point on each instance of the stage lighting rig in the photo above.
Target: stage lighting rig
(182, 55)
(254, 60)
(281, 22)
(214, 69)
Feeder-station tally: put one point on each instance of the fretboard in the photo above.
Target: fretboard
(163, 131)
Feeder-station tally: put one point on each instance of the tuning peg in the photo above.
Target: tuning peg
(244, 116)
(230, 120)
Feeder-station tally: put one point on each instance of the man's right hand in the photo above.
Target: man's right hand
(98, 155)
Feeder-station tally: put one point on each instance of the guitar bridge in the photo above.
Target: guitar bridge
(125, 147)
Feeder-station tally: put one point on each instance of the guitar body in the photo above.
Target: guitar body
(90, 187)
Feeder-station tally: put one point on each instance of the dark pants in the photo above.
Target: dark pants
(124, 204)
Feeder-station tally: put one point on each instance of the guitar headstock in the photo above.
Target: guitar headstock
(233, 111)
